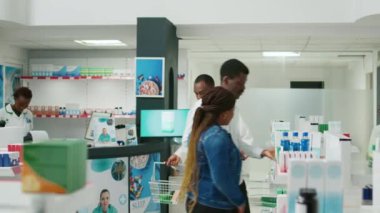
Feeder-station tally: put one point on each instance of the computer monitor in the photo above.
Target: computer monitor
(163, 123)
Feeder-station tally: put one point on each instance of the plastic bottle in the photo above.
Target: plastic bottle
(296, 145)
(307, 201)
(285, 142)
(305, 142)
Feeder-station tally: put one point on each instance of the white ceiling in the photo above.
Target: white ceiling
(209, 38)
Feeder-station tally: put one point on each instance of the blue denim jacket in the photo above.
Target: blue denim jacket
(219, 165)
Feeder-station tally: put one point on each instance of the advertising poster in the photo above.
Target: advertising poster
(150, 77)
(1, 87)
(140, 174)
(110, 178)
(105, 132)
(101, 129)
(12, 80)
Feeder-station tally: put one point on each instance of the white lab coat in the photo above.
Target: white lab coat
(239, 131)
(25, 120)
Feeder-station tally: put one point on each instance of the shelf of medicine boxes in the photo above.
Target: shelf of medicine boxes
(80, 116)
(77, 78)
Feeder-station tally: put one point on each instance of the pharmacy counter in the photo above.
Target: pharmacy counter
(122, 173)
(126, 172)
(127, 151)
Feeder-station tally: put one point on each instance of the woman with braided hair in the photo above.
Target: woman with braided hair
(213, 164)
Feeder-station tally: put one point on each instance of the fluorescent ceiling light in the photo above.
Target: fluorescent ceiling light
(102, 43)
(281, 54)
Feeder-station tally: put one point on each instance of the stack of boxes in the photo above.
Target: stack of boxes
(323, 176)
(57, 166)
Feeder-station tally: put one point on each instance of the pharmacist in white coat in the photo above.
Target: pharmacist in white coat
(17, 114)
(233, 75)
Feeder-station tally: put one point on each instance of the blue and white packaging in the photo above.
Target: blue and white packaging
(296, 180)
(315, 146)
(315, 180)
(9, 159)
(333, 202)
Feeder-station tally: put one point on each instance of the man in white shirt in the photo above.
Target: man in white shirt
(233, 74)
(201, 84)
(17, 114)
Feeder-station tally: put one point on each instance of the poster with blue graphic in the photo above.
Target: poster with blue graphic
(140, 174)
(12, 80)
(1, 87)
(109, 177)
(150, 77)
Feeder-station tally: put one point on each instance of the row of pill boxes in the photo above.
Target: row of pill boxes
(9, 159)
(12, 157)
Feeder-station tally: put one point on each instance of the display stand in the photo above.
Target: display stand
(115, 153)
(18, 201)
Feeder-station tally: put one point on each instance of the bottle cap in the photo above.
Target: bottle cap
(308, 193)
(285, 134)
(305, 134)
(295, 134)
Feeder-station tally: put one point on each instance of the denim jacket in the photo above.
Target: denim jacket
(219, 165)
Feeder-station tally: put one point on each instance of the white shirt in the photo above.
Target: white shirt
(25, 119)
(239, 131)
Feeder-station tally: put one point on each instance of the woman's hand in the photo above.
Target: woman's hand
(173, 160)
(241, 209)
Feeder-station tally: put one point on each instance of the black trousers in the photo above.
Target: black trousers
(243, 189)
(199, 208)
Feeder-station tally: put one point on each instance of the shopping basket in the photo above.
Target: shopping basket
(164, 191)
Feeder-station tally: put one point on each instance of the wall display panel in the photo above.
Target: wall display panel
(140, 174)
(150, 77)
(109, 176)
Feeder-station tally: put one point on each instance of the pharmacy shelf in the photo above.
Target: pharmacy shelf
(77, 78)
(81, 116)
(8, 172)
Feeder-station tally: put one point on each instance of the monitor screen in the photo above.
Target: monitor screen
(163, 123)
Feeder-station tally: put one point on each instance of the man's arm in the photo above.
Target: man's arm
(181, 153)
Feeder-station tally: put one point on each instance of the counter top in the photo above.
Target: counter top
(126, 151)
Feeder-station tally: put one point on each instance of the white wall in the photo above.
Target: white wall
(15, 11)
(12, 55)
(183, 85)
(124, 12)
(278, 75)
